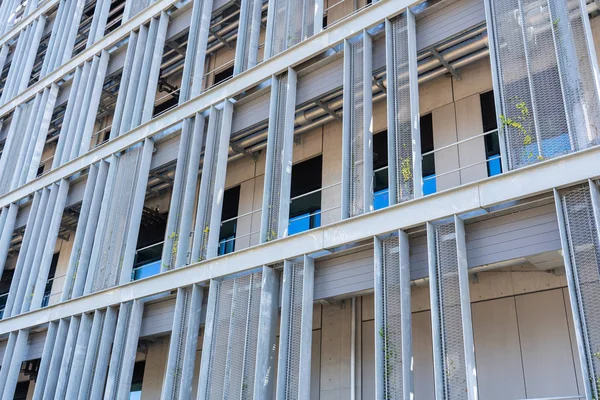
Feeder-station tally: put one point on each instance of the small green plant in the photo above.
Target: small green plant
(521, 122)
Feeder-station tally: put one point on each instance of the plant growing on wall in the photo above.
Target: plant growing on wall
(407, 175)
(521, 122)
(388, 357)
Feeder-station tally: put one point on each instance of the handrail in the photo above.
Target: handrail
(459, 142)
(315, 191)
(559, 398)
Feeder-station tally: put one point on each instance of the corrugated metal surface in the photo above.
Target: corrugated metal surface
(449, 21)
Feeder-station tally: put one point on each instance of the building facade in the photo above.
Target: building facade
(300, 199)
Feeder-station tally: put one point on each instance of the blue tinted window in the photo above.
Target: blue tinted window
(494, 165)
(429, 185)
(227, 245)
(304, 222)
(381, 199)
(551, 147)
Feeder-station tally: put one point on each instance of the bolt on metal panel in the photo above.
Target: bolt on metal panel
(453, 348)
(357, 127)
(278, 171)
(542, 53)
(404, 134)
(393, 319)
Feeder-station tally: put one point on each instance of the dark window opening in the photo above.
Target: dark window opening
(491, 140)
(305, 195)
(115, 16)
(21, 390)
(428, 162)
(50, 281)
(231, 204)
(165, 105)
(5, 282)
(324, 21)
(137, 380)
(40, 171)
(380, 171)
(149, 246)
(223, 75)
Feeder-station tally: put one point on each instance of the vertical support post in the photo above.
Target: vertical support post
(17, 358)
(207, 344)
(79, 356)
(6, 231)
(267, 331)
(284, 331)
(308, 289)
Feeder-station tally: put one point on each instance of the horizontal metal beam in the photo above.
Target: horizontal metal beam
(514, 185)
(239, 83)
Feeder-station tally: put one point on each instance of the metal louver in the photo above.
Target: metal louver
(404, 137)
(393, 319)
(35, 257)
(453, 349)
(119, 219)
(182, 348)
(289, 22)
(8, 217)
(227, 368)
(62, 38)
(122, 359)
(578, 211)
(357, 127)
(295, 335)
(246, 49)
(14, 355)
(178, 235)
(137, 90)
(212, 183)
(25, 141)
(82, 106)
(547, 92)
(23, 59)
(278, 171)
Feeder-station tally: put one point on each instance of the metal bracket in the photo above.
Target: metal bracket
(221, 39)
(328, 110)
(238, 149)
(445, 63)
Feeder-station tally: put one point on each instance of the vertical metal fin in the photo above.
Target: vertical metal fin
(228, 362)
(578, 211)
(182, 348)
(278, 171)
(357, 129)
(289, 22)
(12, 363)
(453, 349)
(404, 135)
(246, 50)
(295, 335)
(212, 183)
(393, 319)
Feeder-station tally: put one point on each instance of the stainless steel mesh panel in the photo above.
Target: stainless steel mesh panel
(277, 156)
(68, 357)
(113, 243)
(584, 252)
(354, 115)
(549, 105)
(293, 22)
(94, 351)
(398, 76)
(448, 291)
(209, 172)
(391, 333)
(233, 352)
(295, 330)
(42, 378)
(182, 342)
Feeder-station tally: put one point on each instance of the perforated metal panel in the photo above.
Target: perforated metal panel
(246, 50)
(207, 185)
(581, 247)
(450, 313)
(548, 97)
(278, 172)
(357, 196)
(293, 371)
(231, 345)
(393, 328)
(82, 106)
(289, 22)
(404, 139)
(182, 348)
(26, 136)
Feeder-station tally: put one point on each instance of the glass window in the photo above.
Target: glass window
(305, 194)
(428, 160)
(135, 392)
(231, 204)
(48, 288)
(147, 261)
(490, 124)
